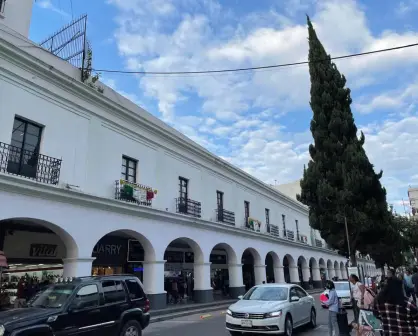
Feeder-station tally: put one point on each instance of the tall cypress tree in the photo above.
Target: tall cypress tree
(339, 181)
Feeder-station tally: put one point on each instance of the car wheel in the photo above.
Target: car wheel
(131, 328)
(312, 322)
(235, 333)
(288, 326)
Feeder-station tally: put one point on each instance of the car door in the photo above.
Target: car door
(115, 303)
(306, 304)
(295, 306)
(83, 315)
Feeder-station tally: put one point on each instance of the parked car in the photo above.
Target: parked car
(343, 291)
(271, 309)
(102, 305)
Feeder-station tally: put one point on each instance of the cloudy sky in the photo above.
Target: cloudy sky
(259, 121)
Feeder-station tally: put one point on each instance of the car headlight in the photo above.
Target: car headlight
(228, 312)
(274, 314)
(2, 330)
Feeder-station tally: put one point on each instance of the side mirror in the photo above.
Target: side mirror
(240, 297)
(294, 299)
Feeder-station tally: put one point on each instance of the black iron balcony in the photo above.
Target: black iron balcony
(188, 207)
(273, 230)
(225, 216)
(29, 164)
(133, 193)
(290, 235)
(318, 243)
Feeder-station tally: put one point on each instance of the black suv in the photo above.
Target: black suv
(101, 305)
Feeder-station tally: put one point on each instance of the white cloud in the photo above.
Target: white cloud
(47, 4)
(239, 116)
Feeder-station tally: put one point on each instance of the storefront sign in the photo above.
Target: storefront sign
(109, 249)
(43, 250)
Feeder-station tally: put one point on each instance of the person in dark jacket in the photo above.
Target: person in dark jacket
(415, 280)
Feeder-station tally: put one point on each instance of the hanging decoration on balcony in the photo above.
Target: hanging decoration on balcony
(140, 193)
(253, 224)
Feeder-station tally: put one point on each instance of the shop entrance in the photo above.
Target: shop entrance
(35, 250)
(248, 274)
(118, 252)
(220, 258)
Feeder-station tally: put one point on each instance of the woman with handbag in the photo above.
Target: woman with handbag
(333, 304)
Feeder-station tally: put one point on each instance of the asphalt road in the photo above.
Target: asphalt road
(214, 324)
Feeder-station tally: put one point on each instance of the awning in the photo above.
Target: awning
(3, 260)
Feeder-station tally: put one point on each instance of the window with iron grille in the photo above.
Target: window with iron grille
(183, 188)
(267, 216)
(128, 172)
(246, 210)
(220, 200)
(284, 225)
(23, 154)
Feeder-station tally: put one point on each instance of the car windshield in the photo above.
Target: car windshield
(266, 294)
(55, 296)
(342, 286)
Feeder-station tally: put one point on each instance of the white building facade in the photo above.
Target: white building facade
(85, 174)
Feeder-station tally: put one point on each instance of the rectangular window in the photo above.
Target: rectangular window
(297, 229)
(183, 188)
(220, 200)
(2, 5)
(284, 225)
(128, 172)
(24, 150)
(113, 291)
(247, 210)
(267, 216)
(135, 290)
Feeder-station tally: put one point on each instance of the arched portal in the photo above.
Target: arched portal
(290, 269)
(315, 274)
(225, 282)
(250, 261)
(330, 271)
(36, 249)
(323, 271)
(184, 273)
(343, 271)
(337, 271)
(303, 272)
(274, 272)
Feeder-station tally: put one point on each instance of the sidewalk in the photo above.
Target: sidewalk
(181, 310)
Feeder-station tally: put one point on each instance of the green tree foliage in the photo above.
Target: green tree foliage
(339, 180)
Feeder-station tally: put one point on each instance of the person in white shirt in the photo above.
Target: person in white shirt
(357, 289)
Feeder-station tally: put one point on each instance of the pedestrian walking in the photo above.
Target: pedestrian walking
(333, 304)
(414, 280)
(399, 314)
(358, 295)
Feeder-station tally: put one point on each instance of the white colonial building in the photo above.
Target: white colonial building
(92, 183)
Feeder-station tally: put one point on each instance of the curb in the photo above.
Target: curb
(202, 311)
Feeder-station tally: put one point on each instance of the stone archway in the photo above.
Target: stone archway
(274, 271)
(290, 269)
(315, 273)
(303, 272)
(253, 271)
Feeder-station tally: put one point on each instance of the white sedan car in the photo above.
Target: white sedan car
(273, 309)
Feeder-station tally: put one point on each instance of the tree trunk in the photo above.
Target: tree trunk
(353, 259)
(383, 272)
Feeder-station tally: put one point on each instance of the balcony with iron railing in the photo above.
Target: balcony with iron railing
(188, 207)
(273, 230)
(318, 243)
(225, 216)
(29, 164)
(290, 235)
(133, 193)
(252, 224)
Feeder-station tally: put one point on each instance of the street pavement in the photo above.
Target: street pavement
(213, 323)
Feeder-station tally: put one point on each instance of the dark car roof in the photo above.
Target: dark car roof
(106, 277)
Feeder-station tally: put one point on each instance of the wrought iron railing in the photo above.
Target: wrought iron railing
(290, 235)
(318, 243)
(133, 193)
(30, 164)
(273, 230)
(188, 207)
(225, 216)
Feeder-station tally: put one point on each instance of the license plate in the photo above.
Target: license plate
(247, 323)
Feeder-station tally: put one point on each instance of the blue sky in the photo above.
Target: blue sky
(259, 121)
